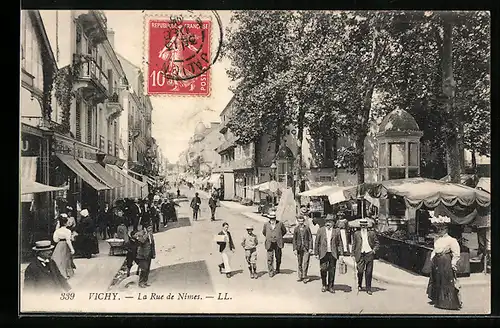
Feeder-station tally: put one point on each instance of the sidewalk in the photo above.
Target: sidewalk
(382, 271)
(96, 273)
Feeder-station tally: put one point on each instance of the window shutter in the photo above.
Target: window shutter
(77, 119)
(89, 125)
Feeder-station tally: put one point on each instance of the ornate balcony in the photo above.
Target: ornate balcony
(94, 24)
(90, 82)
(42, 123)
(113, 107)
(134, 131)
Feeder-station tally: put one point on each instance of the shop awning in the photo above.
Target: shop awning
(28, 174)
(325, 190)
(484, 184)
(100, 172)
(132, 188)
(79, 170)
(32, 187)
(269, 186)
(150, 180)
(429, 192)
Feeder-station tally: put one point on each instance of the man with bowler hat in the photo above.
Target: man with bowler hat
(42, 274)
(328, 249)
(364, 247)
(273, 231)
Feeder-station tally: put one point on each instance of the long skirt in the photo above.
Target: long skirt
(441, 289)
(225, 254)
(87, 244)
(63, 259)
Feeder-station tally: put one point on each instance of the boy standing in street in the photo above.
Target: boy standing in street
(250, 243)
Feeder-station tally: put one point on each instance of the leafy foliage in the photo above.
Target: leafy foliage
(63, 83)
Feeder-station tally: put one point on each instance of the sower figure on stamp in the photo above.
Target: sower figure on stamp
(302, 248)
(42, 275)
(249, 244)
(145, 253)
(274, 231)
(364, 247)
(328, 248)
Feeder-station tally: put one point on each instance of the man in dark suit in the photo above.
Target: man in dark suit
(302, 247)
(195, 205)
(42, 274)
(328, 249)
(145, 253)
(274, 231)
(212, 203)
(365, 245)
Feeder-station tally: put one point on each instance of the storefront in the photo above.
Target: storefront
(244, 180)
(85, 190)
(36, 207)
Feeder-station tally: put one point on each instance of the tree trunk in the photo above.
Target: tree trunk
(300, 139)
(360, 158)
(452, 138)
(278, 140)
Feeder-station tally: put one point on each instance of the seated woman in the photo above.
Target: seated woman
(64, 250)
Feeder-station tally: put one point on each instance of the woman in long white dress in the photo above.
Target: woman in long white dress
(64, 250)
(226, 247)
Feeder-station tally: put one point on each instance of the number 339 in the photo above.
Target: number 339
(67, 296)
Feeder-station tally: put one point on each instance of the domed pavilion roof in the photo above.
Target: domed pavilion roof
(200, 128)
(399, 122)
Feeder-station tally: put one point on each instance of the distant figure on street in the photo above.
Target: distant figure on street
(302, 248)
(42, 275)
(328, 249)
(134, 213)
(226, 247)
(146, 251)
(131, 246)
(249, 244)
(443, 290)
(364, 248)
(154, 215)
(103, 221)
(195, 205)
(178, 193)
(212, 203)
(63, 252)
(273, 231)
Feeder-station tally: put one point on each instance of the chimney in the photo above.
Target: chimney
(111, 37)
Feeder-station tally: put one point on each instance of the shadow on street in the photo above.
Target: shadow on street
(181, 223)
(182, 277)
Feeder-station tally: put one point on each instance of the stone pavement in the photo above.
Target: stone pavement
(382, 270)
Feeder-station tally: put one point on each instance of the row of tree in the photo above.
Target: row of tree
(333, 73)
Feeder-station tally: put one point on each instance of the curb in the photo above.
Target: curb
(423, 284)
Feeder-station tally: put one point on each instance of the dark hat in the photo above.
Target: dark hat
(363, 222)
(330, 218)
(43, 245)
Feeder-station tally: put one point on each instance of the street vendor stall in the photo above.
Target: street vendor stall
(405, 234)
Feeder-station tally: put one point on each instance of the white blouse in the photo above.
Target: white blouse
(62, 233)
(446, 244)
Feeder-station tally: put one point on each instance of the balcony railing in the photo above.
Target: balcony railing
(90, 70)
(110, 147)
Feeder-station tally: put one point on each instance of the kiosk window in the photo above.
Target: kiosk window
(397, 206)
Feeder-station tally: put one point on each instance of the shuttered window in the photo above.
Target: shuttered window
(77, 119)
(89, 125)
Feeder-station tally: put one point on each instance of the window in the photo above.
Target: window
(382, 174)
(397, 206)
(382, 155)
(397, 154)
(325, 178)
(89, 125)
(397, 173)
(78, 119)
(413, 173)
(413, 154)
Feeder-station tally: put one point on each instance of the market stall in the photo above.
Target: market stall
(405, 233)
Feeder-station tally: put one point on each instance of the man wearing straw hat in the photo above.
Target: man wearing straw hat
(302, 247)
(365, 245)
(42, 274)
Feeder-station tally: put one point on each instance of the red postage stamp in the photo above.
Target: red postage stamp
(178, 57)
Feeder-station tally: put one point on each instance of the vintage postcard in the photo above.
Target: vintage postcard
(255, 162)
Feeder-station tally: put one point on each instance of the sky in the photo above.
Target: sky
(174, 118)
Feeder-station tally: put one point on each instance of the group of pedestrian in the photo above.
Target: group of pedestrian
(213, 203)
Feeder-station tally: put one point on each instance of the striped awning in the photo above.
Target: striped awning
(100, 172)
(28, 174)
(79, 170)
(132, 188)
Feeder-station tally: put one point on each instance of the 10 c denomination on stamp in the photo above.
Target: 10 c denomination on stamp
(178, 56)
